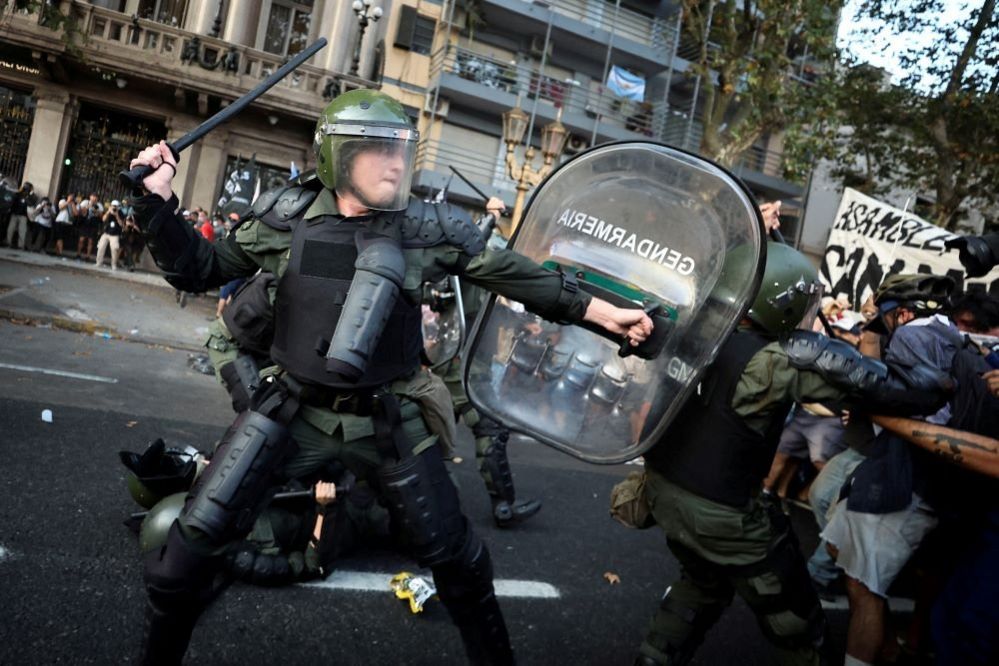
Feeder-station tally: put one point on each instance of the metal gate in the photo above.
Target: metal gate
(17, 112)
(103, 142)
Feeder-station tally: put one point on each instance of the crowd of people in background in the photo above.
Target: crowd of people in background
(89, 224)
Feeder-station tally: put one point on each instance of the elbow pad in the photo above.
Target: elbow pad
(180, 252)
(380, 269)
(886, 389)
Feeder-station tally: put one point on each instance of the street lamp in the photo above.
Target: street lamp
(553, 137)
(365, 14)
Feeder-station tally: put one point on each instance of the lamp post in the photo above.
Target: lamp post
(365, 14)
(553, 137)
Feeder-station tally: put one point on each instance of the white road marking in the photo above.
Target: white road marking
(59, 373)
(379, 582)
(896, 604)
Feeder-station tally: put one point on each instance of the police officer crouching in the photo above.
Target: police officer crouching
(704, 474)
(350, 258)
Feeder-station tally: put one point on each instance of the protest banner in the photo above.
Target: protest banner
(870, 239)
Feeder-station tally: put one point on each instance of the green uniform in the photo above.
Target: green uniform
(702, 491)
(322, 433)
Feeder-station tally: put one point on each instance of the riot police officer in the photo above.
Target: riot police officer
(704, 474)
(350, 258)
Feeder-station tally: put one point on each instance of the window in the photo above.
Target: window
(287, 30)
(416, 32)
(170, 12)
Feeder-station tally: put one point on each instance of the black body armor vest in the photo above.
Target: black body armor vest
(709, 450)
(310, 298)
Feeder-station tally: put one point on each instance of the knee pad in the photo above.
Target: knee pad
(424, 504)
(238, 483)
(781, 595)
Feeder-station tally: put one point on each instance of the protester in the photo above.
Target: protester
(886, 515)
(976, 312)
(205, 228)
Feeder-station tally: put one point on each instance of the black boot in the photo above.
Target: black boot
(495, 465)
(506, 514)
(484, 635)
(465, 587)
(179, 584)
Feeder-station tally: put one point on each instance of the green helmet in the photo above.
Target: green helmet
(156, 524)
(923, 294)
(160, 471)
(371, 123)
(790, 290)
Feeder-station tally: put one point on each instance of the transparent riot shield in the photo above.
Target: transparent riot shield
(443, 321)
(641, 225)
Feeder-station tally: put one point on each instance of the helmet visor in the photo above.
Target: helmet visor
(378, 171)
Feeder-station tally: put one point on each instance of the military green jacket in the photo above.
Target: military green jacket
(255, 246)
(769, 382)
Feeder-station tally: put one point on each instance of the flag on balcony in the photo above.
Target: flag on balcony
(624, 84)
(241, 188)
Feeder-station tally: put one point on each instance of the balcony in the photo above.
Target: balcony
(166, 56)
(433, 158)
(580, 26)
(492, 85)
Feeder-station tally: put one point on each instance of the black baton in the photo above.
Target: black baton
(133, 178)
(485, 197)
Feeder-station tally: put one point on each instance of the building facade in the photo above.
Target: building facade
(77, 101)
(80, 96)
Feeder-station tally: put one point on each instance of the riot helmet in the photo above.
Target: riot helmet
(789, 292)
(365, 147)
(156, 525)
(160, 471)
(923, 295)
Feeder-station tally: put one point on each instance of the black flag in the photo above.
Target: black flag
(240, 188)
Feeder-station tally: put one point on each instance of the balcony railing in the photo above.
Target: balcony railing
(639, 117)
(132, 46)
(652, 31)
(434, 155)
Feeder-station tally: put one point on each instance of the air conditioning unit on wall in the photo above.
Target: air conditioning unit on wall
(443, 106)
(575, 144)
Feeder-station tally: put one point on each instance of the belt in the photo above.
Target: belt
(350, 402)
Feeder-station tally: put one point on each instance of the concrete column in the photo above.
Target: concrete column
(211, 161)
(242, 18)
(49, 131)
(200, 15)
(338, 24)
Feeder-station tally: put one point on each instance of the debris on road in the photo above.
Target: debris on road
(412, 588)
(200, 363)
(47, 415)
(612, 578)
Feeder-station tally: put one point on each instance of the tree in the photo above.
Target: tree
(747, 57)
(937, 128)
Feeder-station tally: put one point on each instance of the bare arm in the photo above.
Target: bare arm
(968, 450)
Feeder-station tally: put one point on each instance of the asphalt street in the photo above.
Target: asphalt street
(70, 573)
